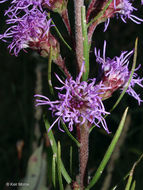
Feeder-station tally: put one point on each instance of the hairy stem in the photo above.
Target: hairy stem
(78, 33)
(83, 137)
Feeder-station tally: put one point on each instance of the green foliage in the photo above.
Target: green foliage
(108, 152)
(54, 149)
(85, 44)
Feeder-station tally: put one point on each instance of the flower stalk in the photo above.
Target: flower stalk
(83, 137)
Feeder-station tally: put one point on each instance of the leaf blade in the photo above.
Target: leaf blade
(108, 152)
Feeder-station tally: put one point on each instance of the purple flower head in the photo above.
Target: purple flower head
(116, 73)
(80, 101)
(124, 9)
(24, 5)
(32, 27)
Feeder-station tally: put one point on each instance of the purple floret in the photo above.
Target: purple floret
(80, 102)
(24, 5)
(116, 72)
(124, 9)
(30, 28)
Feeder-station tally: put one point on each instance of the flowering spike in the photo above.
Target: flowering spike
(116, 74)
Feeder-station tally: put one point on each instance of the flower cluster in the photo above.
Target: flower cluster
(80, 102)
(30, 28)
(116, 73)
(124, 9)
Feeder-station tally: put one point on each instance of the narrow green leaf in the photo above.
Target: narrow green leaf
(128, 174)
(91, 129)
(69, 134)
(71, 160)
(59, 166)
(130, 78)
(54, 170)
(131, 173)
(51, 137)
(49, 72)
(60, 35)
(133, 185)
(54, 149)
(129, 182)
(108, 152)
(100, 14)
(85, 43)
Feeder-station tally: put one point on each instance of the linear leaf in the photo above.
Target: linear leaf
(108, 152)
(59, 166)
(133, 185)
(69, 134)
(128, 174)
(54, 170)
(60, 35)
(100, 13)
(85, 43)
(54, 149)
(131, 173)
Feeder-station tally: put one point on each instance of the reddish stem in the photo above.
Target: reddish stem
(78, 33)
(91, 31)
(83, 137)
(60, 62)
(90, 9)
(65, 18)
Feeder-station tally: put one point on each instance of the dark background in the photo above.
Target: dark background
(17, 120)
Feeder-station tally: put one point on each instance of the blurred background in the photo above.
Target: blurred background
(21, 124)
